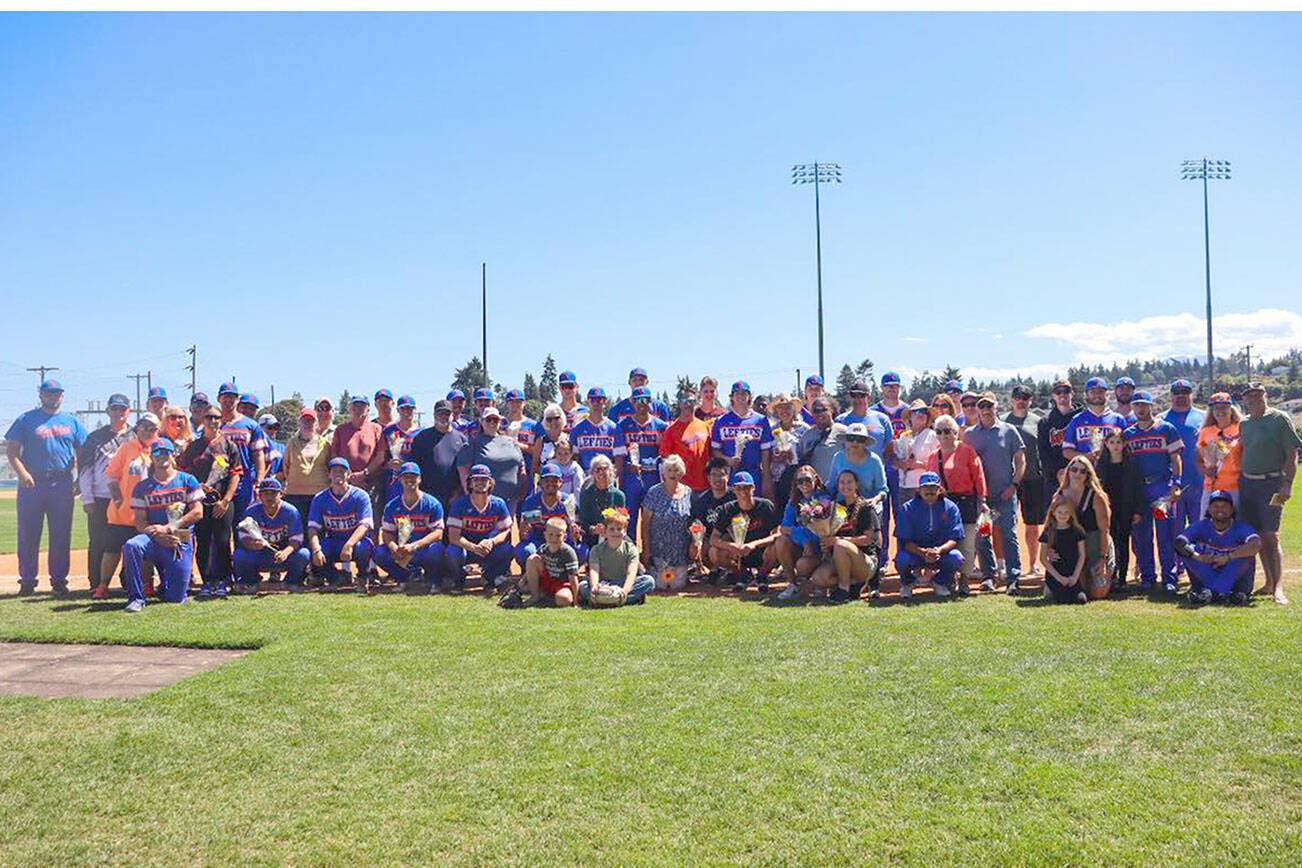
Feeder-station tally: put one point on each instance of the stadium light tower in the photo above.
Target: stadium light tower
(816, 174)
(1207, 170)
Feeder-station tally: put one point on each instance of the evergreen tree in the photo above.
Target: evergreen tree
(470, 377)
(844, 381)
(548, 388)
(530, 388)
(685, 384)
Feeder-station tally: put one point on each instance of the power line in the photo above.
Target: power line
(40, 370)
(137, 377)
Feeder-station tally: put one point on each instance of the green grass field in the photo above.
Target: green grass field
(9, 526)
(686, 731)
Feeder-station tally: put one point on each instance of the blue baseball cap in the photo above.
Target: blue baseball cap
(248, 398)
(550, 471)
(200, 399)
(568, 377)
(481, 471)
(1182, 384)
(483, 394)
(637, 372)
(1218, 494)
(954, 386)
(117, 399)
(157, 392)
(409, 468)
(813, 380)
(741, 386)
(338, 462)
(268, 419)
(1142, 397)
(929, 478)
(596, 393)
(360, 399)
(641, 393)
(890, 378)
(1096, 383)
(456, 395)
(227, 389)
(742, 477)
(383, 393)
(515, 395)
(162, 444)
(406, 401)
(51, 386)
(270, 483)
(1125, 381)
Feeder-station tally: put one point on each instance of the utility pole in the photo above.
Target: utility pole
(149, 379)
(273, 393)
(483, 288)
(816, 174)
(193, 351)
(137, 377)
(799, 392)
(40, 371)
(1204, 170)
(1247, 351)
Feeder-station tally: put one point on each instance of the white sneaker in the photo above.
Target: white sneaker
(988, 586)
(906, 592)
(136, 606)
(789, 592)
(942, 592)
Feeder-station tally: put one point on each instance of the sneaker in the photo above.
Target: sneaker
(636, 601)
(1081, 598)
(26, 589)
(875, 594)
(839, 595)
(222, 591)
(942, 592)
(1200, 596)
(512, 600)
(987, 586)
(98, 592)
(1146, 586)
(1169, 587)
(789, 592)
(206, 592)
(1238, 598)
(1013, 587)
(60, 589)
(964, 589)
(763, 586)
(135, 606)
(715, 577)
(906, 592)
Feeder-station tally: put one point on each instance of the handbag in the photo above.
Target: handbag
(968, 505)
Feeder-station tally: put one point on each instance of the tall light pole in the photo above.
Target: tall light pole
(1204, 170)
(816, 174)
(483, 316)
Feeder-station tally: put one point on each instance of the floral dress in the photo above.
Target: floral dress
(671, 517)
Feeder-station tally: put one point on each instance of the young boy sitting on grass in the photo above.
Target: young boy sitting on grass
(552, 572)
(614, 561)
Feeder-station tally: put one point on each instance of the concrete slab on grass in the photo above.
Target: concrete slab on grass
(100, 671)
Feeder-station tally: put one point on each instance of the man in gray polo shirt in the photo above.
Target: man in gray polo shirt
(820, 443)
(1003, 458)
(1269, 463)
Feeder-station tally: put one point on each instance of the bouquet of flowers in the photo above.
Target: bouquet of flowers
(1161, 508)
(175, 511)
(697, 530)
(904, 445)
(634, 457)
(822, 516)
(782, 440)
(396, 440)
(1097, 436)
(743, 437)
(220, 465)
(986, 522)
(1214, 454)
(738, 527)
(402, 530)
(250, 528)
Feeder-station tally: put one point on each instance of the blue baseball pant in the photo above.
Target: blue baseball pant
(250, 564)
(173, 566)
(49, 501)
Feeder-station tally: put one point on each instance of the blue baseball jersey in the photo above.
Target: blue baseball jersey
(1208, 540)
(248, 438)
(526, 432)
(275, 456)
(1187, 424)
(807, 415)
(535, 511)
(879, 425)
(155, 497)
(1152, 448)
(754, 427)
(425, 516)
(336, 517)
(591, 439)
(624, 410)
(477, 525)
(1080, 431)
(574, 415)
(464, 425)
(647, 437)
(49, 440)
(394, 435)
(279, 530)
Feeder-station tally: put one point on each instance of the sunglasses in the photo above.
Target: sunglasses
(945, 432)
(804, 480)
(1062, 391)
(1182, 392)
(968, 405)
(212, 417)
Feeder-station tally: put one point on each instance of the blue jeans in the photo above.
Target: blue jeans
(1006, 526)
(173, 567)
(642, 585)
(250, 564)
(50, 501)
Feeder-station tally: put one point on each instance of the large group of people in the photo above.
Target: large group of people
(600, 505)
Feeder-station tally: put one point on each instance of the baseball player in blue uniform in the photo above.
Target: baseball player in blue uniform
(813, 390)
(166, 504)
(637, 454)
(479, 531)
(1156, 449)
(1123, 391)
(156, 400)
(755, 432)
(574, 411)
(401, 433)
(339, 524)
(637, 379)
(457, 399)
(1088, 429)
(1187, 420)
(248, 438)
(546, 503)
(41, 446)
(275, 453)
(412, 529)
(278, 543)
(1219, 552)
(594, 434)
(928, 533)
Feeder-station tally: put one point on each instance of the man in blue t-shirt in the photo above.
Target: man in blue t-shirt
(1219, 552)
(594, 434)
(166, 504)
(753, 431)
(42, 447)
(1088, 429)
(878, 423)
(278, 543)
(1187, 420)
(897, 413)
(637, 379)
(1156, 449)
(637, 454)
(412, 529)
(339, 524)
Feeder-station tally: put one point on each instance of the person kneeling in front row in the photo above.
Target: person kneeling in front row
(270, 538)
(166, 504)
(615, 561)
(412, 530)
(339, 524)
(929, 530)
(1062, 553)
(1219, 553)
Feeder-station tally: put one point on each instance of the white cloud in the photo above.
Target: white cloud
(1272, 332)
(915, 340)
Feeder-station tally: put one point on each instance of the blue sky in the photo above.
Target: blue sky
(308, 198)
